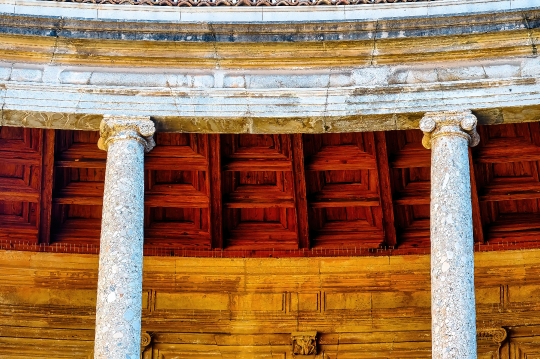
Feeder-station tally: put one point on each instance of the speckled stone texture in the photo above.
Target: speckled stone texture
(453, 323)
(118, 311)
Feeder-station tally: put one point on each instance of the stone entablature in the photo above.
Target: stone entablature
(340, 76)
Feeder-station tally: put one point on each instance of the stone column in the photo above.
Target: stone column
(119, 297)
(453, 311)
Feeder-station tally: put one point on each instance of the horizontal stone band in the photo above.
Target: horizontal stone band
(191, 3)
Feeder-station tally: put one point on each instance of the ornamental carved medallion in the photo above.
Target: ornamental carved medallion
(304, 343)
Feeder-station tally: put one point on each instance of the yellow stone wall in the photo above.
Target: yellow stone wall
(362, 307)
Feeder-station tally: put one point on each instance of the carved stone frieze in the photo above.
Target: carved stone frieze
(304, 343)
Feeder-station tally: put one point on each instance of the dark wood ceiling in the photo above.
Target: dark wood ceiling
(267, 195)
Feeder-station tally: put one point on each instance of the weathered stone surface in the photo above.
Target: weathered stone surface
(288, 125)
(118, 310)
(453, 309)
(362, 306)
(55, 120)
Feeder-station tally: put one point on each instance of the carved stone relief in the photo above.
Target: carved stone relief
(304, 343)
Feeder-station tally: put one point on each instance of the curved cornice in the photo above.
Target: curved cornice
(303, 45)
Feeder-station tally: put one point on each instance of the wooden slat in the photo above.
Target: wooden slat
(341, 158)
(356, 201)
(418, 157)
(258, 202)
(385, 189)
(478, 230)
(344, 195)
(155, 163)
(192, 199)
(216, 210)
(176, 164)
(415, 193)
(20, 195)
(258, 165)
(20, 158)
(505, 150)
(300, 193)
(512, 190)
(184, 200)
(47, 170)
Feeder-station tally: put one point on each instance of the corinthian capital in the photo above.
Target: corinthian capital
(114, 128)
(449, 123)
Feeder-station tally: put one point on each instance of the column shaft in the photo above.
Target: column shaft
(119, 299)
(452, 257)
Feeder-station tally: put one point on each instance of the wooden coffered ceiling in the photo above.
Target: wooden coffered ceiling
(267, 195)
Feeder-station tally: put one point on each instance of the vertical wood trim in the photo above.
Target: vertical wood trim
(300, 191)
(478, 230)
(216, 199)
(385, 188)
(47, 170)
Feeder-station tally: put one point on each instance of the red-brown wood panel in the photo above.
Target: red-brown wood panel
(343, 191)
(21, 159)
(506, 170)
(255, 194)
(258, 186)
(410, 177)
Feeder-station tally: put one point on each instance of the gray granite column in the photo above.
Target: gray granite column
(119, 297)
(453, 312)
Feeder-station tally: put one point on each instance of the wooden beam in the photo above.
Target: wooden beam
(300, 191)
(47, 171)
(258, 165)
(478, 230)
(385, 188)
(214, 176)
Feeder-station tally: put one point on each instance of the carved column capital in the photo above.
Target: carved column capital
(497, 335)
(449, 123)
(114, 128)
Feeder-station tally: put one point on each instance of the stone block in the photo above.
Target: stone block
(204, 125)
(347, 301)
(26, 74)
(524, 293)
(502, 71)
(287, 125)
(51, 120)
(360, 123)
(305, 302)
(234, 81)
(191, 301)
(530, 67)
(461, 73)
(5, 71)
(292, 80)
(370, 76)
(133, 79)
(75, 77)
(268, 302)
(488, 295)
(389, 300)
